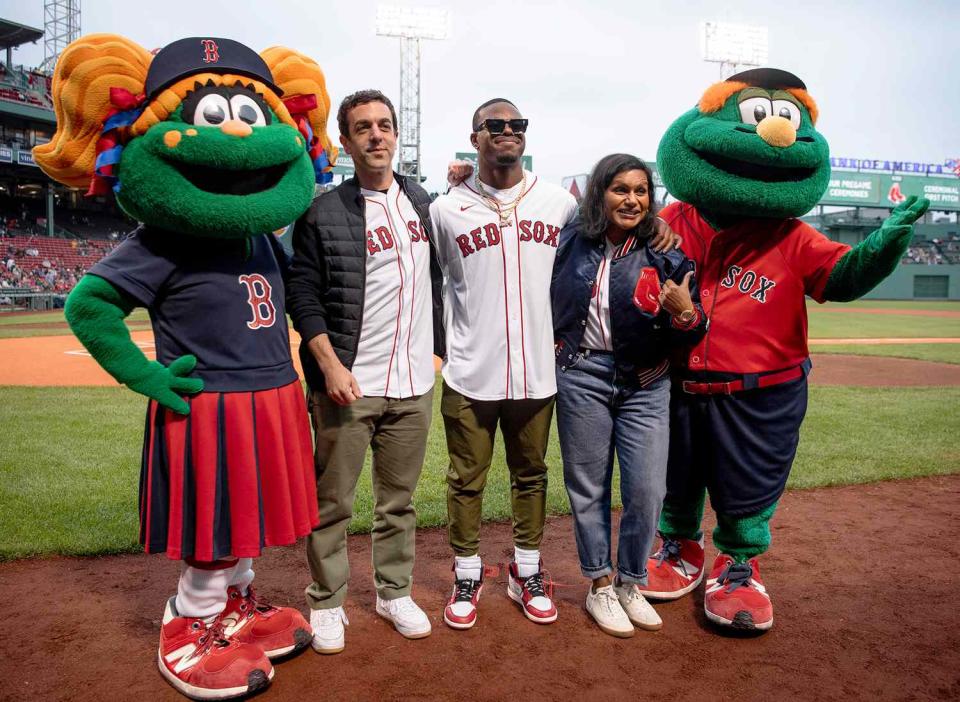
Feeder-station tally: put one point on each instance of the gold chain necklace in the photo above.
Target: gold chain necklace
(503, 210)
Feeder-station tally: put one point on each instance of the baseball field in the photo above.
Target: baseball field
(863, 570)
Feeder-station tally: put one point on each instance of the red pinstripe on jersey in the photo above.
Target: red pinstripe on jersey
(523, 342)
(396, 333)
(413, 303)
(603, 266)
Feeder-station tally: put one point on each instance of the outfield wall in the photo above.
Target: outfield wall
(915, 281)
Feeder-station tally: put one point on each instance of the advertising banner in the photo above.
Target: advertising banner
(889, 190)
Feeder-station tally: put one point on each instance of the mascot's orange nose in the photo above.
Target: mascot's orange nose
(234, 127)
(777, 131)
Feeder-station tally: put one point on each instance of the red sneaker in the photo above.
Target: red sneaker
(736, 597)
(675, 570)
(461, 609)
(196, 658)
(535, 598)
(278, 631)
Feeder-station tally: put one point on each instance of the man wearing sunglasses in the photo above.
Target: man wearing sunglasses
(496, 235)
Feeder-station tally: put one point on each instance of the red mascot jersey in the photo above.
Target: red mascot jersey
(753, 277)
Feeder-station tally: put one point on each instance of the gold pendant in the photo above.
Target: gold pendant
(504, 222)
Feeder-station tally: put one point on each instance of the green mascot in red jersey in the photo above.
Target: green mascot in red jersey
(744, 163)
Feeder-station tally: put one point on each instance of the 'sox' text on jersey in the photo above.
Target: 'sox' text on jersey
(756, 285)
(259, 297)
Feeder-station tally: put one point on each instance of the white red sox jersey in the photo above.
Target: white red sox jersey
(497, 295)
(596, 335)
(395, 350)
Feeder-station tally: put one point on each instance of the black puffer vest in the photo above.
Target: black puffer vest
(328, 273)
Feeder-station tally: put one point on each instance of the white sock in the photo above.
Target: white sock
(528, 562)
(202, 593)
(242, 575)
(468, 567)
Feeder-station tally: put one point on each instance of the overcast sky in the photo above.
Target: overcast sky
(597, 76)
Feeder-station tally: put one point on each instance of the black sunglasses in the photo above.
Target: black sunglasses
(496, 126)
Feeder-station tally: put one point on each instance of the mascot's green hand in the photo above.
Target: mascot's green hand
(166, 384)
(864, 266)
(95, 311)
(907, 212)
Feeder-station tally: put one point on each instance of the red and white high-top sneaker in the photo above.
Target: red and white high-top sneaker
(532, 594)
(736, 597)
(196, 658)
(461, 609)
(278, 631)
(675, 570)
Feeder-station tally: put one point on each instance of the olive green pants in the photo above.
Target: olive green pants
(471, 426)
(396, 431)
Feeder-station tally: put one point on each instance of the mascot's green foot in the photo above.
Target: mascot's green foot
(736, 597)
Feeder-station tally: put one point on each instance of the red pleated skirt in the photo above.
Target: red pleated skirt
(233, 476)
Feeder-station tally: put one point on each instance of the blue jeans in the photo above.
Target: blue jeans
(599, 410)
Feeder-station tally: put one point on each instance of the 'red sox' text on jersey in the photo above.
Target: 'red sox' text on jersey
(497, 308)
(753, 284)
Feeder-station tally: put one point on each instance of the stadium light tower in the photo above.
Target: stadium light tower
(61, 25)
(733, 45)
(411, 24)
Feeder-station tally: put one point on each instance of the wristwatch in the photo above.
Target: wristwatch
(686, 316)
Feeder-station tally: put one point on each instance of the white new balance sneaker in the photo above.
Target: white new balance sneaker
(640, 612)
(328, 634)
(406, 616)
(604, 606)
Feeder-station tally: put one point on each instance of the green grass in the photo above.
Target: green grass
(846, 325)
(944, 305)
(942, 353)
(10, 327)
(859, 435)
(69, 460)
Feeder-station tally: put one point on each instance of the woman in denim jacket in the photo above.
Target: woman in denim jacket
(619, 306)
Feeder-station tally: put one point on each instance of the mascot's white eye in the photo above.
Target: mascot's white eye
(787, 110)
(247, 110)
(212, 110)
(754, 110)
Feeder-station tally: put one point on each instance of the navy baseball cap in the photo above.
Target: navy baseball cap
(770, 78)
(185, 57)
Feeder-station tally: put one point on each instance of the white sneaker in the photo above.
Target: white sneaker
(604, 606)
(328, 636)
(640, 612)
(407, 618)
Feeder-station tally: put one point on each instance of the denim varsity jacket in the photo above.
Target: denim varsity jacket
(643, 333)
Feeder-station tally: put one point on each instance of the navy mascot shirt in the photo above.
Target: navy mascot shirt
(210, 298)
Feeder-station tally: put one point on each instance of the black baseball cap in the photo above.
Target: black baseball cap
(185, 57)
(770, 78)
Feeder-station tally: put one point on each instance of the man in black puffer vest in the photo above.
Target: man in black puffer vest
(365, 295)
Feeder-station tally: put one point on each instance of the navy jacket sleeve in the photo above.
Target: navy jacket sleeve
(307, 280)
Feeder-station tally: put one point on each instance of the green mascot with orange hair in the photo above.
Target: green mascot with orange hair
(212, 147)
(744, 164)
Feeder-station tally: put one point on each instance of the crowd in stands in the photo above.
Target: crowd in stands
(23, 85)
(47, 264)
(934, 251)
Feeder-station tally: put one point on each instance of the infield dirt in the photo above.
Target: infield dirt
(864, 581)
